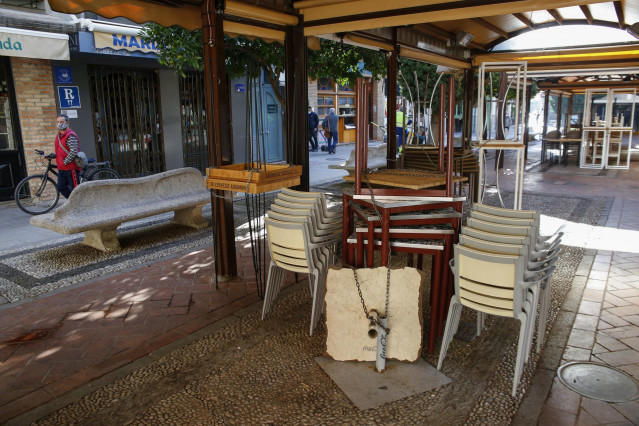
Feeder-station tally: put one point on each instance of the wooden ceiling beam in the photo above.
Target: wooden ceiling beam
(587, 85)
(527, 22)
(366, 14)
(555, 14)
(619, 11)
(586, 11)
(484, 23)
(442, 34)
(434, 31)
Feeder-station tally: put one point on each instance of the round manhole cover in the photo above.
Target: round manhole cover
(598, 381)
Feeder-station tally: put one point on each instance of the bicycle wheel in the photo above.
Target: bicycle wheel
(103, 174)
(37, 194)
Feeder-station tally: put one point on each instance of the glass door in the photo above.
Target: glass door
(12, 165)
(594, 141)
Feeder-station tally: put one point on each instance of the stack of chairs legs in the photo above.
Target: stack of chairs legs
(303, 236)
(431, 233)
(503, 267)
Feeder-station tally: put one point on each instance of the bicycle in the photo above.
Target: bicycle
(38, 194)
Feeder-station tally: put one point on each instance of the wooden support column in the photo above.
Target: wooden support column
(218, 125)
(391, 104)
(361, 141)
(297, 102)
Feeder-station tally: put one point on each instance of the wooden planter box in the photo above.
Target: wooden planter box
(263, 179)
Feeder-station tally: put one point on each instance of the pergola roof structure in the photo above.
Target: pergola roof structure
(427, 30)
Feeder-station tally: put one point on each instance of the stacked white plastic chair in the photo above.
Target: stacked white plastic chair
(303, 236)
(503, 274)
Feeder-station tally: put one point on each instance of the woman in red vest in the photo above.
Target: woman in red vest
(66, 149)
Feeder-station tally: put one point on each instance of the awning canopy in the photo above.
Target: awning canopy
(33, 44)
(443, 32)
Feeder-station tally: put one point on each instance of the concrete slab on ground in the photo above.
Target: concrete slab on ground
(367, 388)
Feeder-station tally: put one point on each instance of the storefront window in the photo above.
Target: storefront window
(324, 104)
(325, 84)
(345, 88)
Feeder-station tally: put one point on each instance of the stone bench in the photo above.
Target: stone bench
(97, 208)
(376, 159)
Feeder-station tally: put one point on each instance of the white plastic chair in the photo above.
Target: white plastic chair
(301, 194)
(532, 268)
(494, 284)
(292, 249)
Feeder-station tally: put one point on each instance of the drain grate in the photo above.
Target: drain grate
(598, 381)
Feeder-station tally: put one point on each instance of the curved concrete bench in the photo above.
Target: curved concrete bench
(376, 159)
(98, 208)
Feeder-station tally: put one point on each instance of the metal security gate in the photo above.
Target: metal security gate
(127, 119)
(193, 118)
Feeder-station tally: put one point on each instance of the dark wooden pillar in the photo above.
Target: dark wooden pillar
(218, 125)
(361, 131)
(297, 102)
(467, 120)
(391, 104)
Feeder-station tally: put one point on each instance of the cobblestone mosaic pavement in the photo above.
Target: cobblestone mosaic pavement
(105, 334)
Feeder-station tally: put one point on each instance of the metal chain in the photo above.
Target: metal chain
(369, 316)
(388, 268)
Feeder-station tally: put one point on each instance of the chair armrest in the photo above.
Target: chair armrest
(539, 281)
(544, 266)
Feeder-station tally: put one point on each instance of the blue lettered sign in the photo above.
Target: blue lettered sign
(69, 96)
(239, 87)
(63, 75)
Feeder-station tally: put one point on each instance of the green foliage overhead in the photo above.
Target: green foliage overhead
(178, 48)
(182, 50)
(340, 62)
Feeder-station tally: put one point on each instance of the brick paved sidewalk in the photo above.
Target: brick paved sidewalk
(57, 343)
(606, 328)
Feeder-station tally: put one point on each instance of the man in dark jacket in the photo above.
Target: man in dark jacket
(313, 124)
(330, 123)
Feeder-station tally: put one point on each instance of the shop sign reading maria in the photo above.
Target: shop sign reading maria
(123, 42)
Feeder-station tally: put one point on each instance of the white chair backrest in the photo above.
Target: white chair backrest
(288, 244)
(507, 220)
(499, 211)
(498, 238)
(489, 282)
(493, 247)
(500, 228)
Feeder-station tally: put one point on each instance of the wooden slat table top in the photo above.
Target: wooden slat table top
(407, 179)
